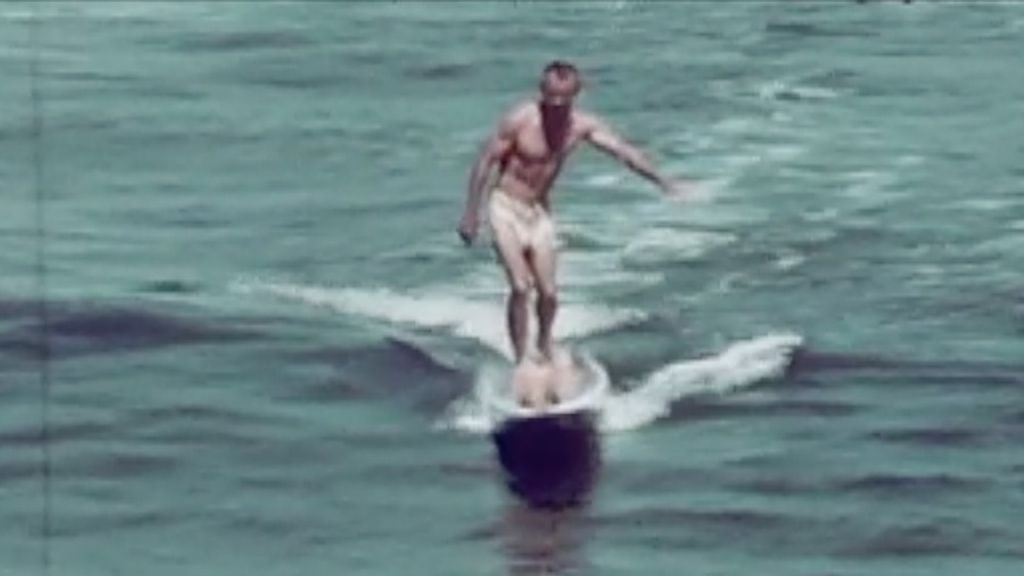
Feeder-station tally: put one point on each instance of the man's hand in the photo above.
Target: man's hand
(468, 228)
(678, 189)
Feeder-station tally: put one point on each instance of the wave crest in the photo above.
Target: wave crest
(483, 321)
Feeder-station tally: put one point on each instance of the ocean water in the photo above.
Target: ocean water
(265, 339)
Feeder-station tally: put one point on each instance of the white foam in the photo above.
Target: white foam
(784, 152)
(740, 365)
(735, 125)
(777, 88)
(16, 12)
(601, 269)
(739, 161)
(491, 402)
(659, 245)
(607, 180)
(1002, 205)
(483, 321)
(124, 10)
(469, 413)
(868, 186)
(788, 260)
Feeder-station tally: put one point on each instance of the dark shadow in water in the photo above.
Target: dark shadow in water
(550, 462)
(395, 369)
(544, 541)
(809, 362)
(82, 328)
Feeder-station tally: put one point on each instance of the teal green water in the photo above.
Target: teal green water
(266, 335)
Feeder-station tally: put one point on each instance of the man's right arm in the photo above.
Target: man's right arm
(496, 147)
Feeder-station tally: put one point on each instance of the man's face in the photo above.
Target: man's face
(557, 94)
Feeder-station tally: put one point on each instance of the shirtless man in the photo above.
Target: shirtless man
(530, 145)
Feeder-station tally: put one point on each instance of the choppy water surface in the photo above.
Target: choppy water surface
(266, 337)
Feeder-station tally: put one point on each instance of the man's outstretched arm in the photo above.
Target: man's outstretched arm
(602, 137)
(496, 147)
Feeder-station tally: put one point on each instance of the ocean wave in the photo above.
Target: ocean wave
(605, 180)
(483, 321)
(660, 245)
(742, 364)
(782, 90)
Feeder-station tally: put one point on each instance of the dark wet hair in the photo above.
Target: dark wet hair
(563, 70)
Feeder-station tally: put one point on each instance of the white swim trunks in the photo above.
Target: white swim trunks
(531, 223)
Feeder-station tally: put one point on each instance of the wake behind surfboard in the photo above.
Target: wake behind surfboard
(550, 456)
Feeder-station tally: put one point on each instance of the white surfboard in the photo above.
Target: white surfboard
(589, 394)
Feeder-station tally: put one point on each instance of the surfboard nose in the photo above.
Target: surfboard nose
(552, 461)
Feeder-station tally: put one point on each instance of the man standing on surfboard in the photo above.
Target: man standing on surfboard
(531, 143)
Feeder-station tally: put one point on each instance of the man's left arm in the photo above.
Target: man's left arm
(602, 137)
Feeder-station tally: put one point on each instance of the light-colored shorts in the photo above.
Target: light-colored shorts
(531, 223)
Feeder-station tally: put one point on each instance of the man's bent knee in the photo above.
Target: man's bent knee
(520, 288)
(548, 295)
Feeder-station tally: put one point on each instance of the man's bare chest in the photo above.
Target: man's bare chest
(534, 145)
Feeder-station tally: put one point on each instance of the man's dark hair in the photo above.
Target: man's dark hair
(562, 69)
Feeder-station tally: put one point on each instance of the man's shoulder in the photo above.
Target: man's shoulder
(521, 110)
(585, 120)
(516, 115)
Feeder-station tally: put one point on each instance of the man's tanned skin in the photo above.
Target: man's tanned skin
(529, 148)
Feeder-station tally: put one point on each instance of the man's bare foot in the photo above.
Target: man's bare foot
(542, 380)
(566, 376)
(531, 380)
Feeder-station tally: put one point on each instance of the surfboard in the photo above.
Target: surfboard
(551, 456)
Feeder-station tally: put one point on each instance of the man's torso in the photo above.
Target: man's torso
(536, 155)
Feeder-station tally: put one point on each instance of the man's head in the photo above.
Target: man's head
(559, 84)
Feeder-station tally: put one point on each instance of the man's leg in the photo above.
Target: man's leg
(513, 260)
(543, 263)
